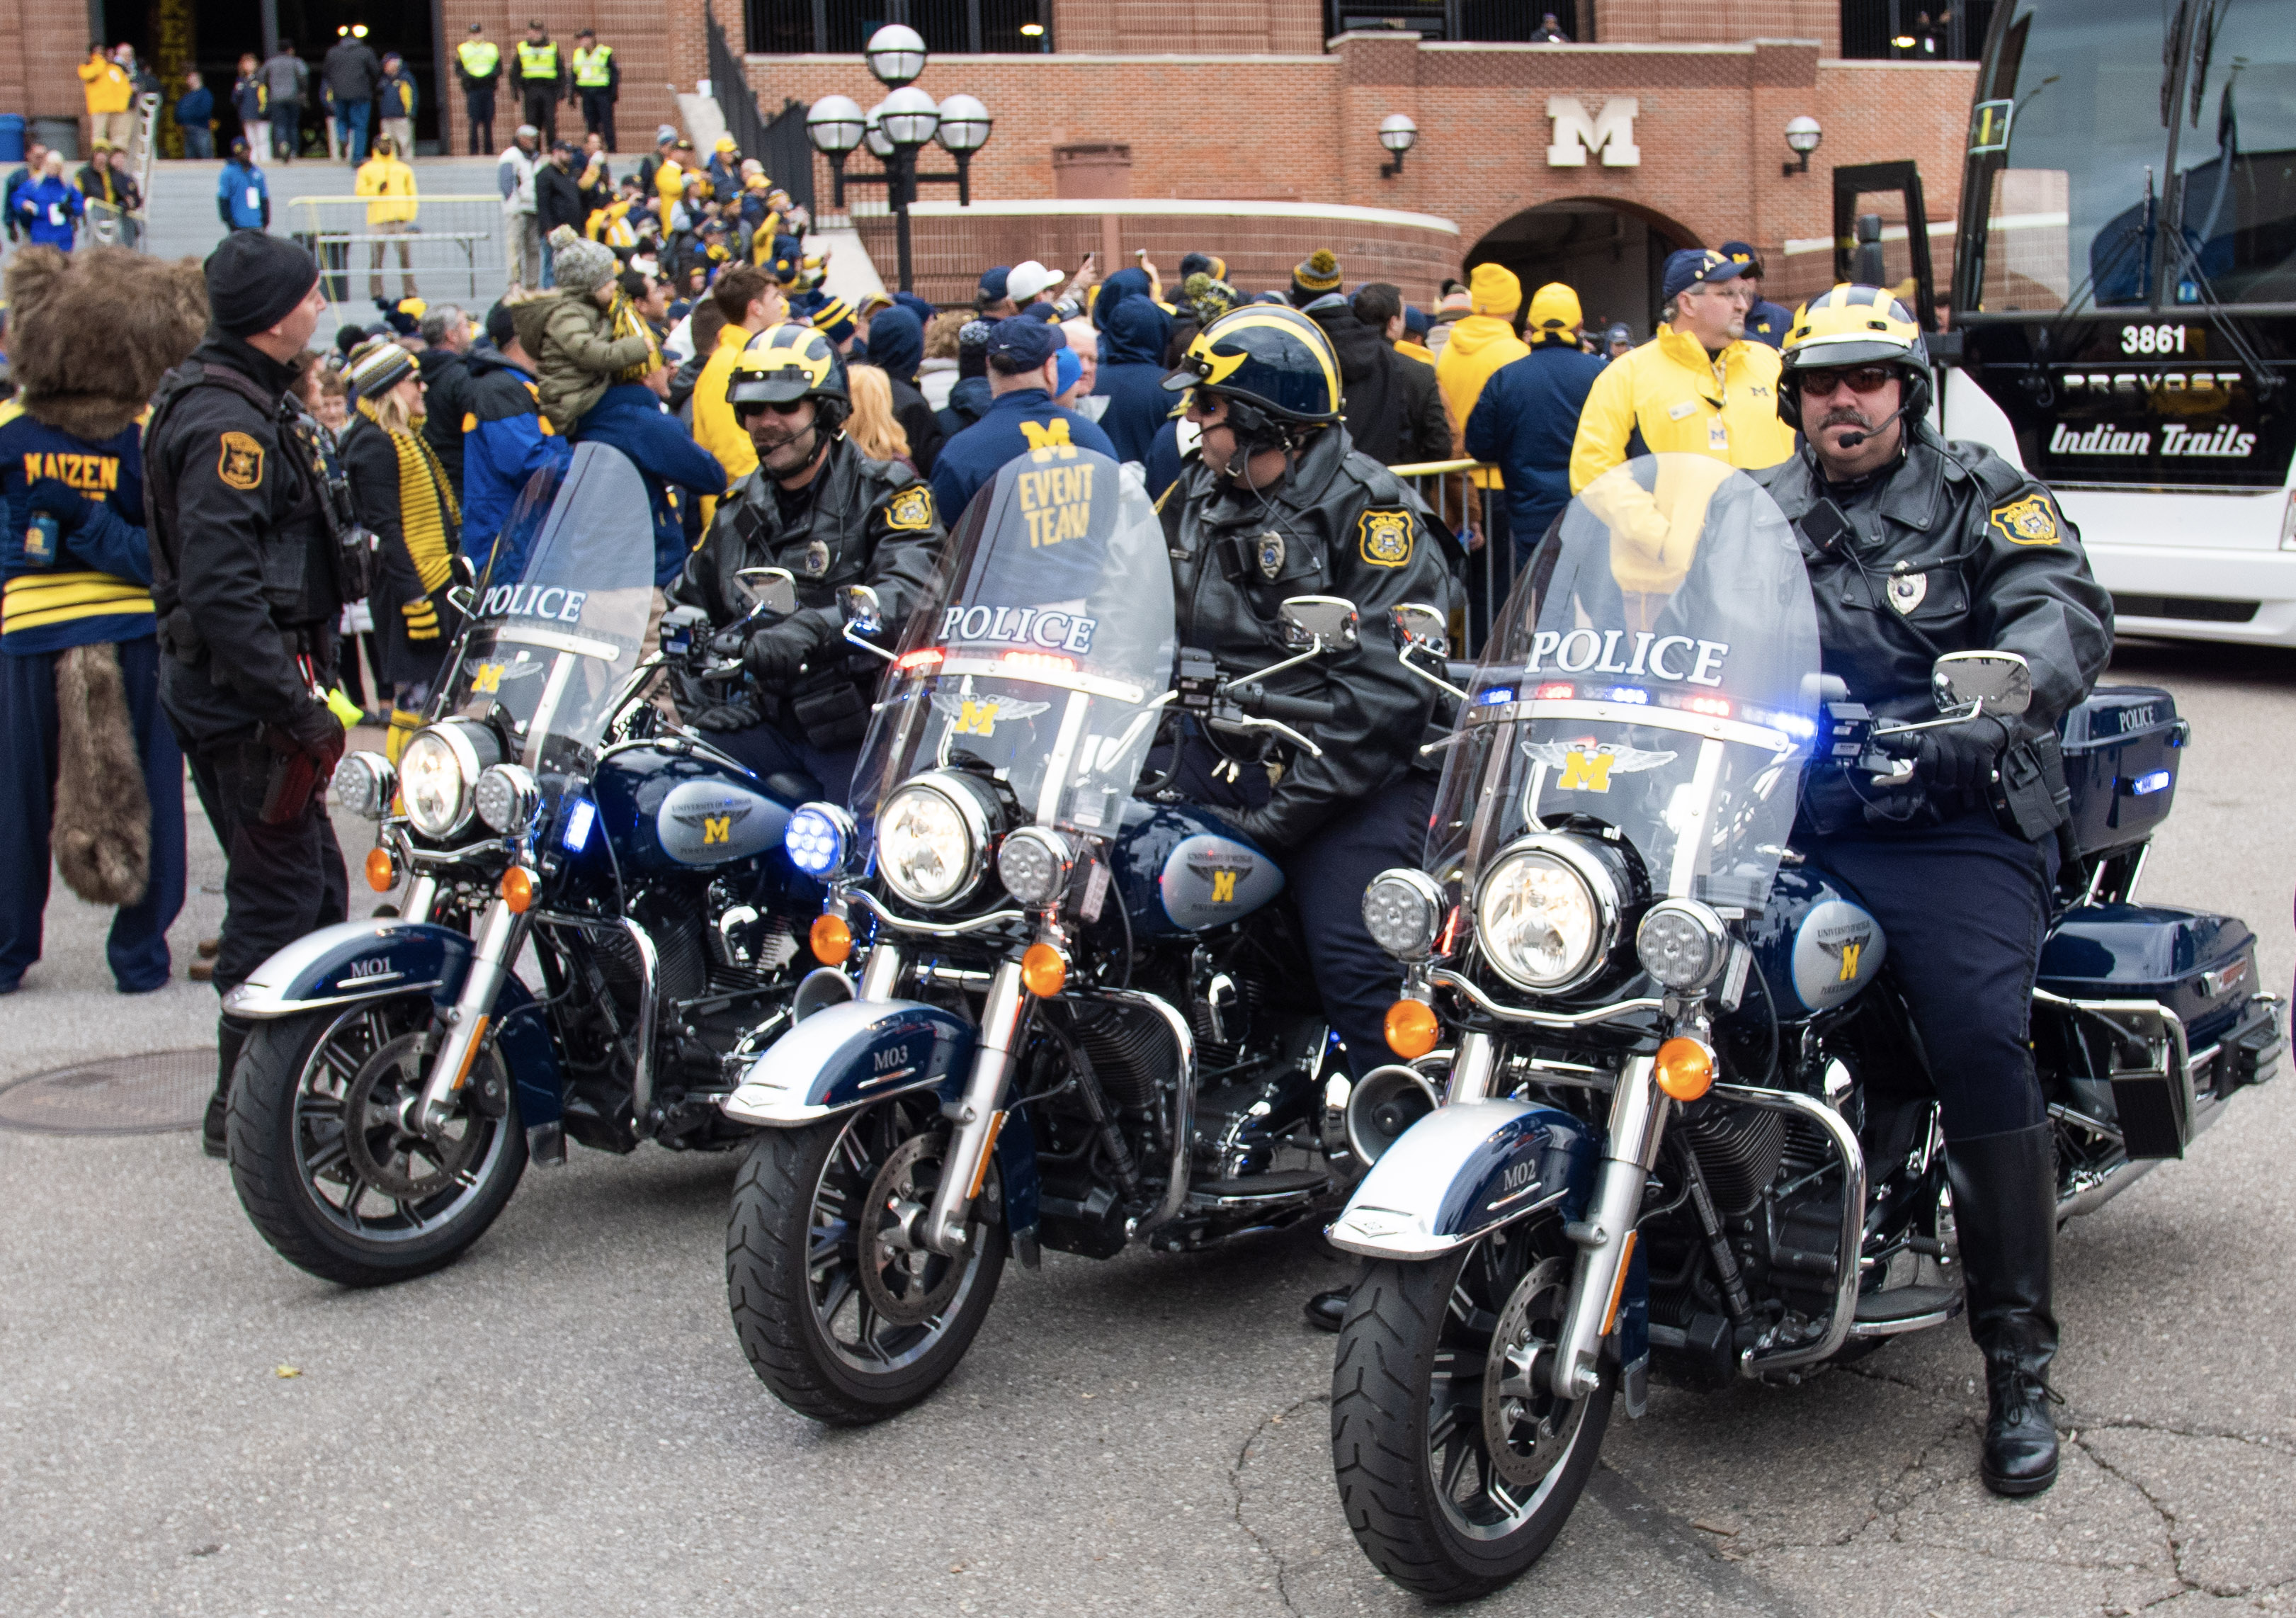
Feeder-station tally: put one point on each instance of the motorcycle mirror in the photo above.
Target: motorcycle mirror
(1328, 619)
(1819, 689)
(1419, 625)
(771, 589)
(2001, 680)
(865, 614)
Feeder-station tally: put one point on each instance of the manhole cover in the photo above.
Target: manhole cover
(142, 1095)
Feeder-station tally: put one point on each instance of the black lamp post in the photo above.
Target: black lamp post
(897, 131)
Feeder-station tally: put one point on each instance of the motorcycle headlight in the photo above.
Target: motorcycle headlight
(439, 772)
(1402, 910)
(932, 840)
(1546, 915)
(1682, 944)
(363, 784)
(1034, 864)
(818, 838)
(506, 797)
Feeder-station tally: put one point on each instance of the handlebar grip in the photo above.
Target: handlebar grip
(1254, 698)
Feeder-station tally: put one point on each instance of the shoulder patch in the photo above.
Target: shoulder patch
(2031, 521)
(911, 509)
(238, 461)
(1384, 538)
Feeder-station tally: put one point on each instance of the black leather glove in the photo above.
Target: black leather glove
(774, 656)
(317, 732)
(1954, 763)
(740, 714)
(55, 498)
(1255, 824)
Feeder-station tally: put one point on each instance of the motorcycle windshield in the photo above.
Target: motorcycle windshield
(553, 644)
(1653, 676)
(1046, 656)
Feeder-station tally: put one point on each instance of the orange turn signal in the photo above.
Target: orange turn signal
(1411, 1030)
(381, 874)
(1043, 971)
(831, 939)
(518, 890)
(1686, 1069)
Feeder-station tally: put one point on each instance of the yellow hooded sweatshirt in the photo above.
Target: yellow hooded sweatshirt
(716, 427)
(1479, 343)
(1681, 402)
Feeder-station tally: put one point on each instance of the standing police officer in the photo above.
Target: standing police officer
(598, 83)
(245, 581)
(1916, 548)
(1280, 503)
(478, 63)
(541, 81)
(833, 517)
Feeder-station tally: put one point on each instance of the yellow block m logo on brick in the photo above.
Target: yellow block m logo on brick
(1049, 441)
(1585, 772)
(717, 828)
(1224, 887)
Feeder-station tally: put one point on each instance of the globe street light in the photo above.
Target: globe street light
(897, 129)
(1802, 136)
(835, 124)
(896, 55)
(909, 117)
(1399, 135)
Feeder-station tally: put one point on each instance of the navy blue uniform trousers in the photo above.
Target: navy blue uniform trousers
(137, 948)
(1963, 907)
(279, 881)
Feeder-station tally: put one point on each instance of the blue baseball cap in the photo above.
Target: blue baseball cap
(992, 284)
(1693, 265)
(1416, 321)
(1023, 344)
(1743, 254)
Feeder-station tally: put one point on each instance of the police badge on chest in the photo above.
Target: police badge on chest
(1907, 591)
(1268, 550)
(814, 563)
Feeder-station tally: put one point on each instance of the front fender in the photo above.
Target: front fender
(844, 1055)
(351, 962)
(1464, 1171)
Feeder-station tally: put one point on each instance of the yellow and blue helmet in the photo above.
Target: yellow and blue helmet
(785, 363)
(1852, 325)
(1265, 355)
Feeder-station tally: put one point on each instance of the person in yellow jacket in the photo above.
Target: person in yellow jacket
(1478, 345)
(110, 92)
(750, 300)
(1698, 387)
(391, 183)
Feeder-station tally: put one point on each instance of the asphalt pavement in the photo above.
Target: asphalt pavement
(563, 1424)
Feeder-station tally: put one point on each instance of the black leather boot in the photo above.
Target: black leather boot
(214, 1129)
(1326, 1310)
(2004, 1213)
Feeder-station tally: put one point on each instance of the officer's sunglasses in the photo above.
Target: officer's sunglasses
(1864, 379)
(779, 407)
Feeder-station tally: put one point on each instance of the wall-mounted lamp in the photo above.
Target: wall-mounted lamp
(1802, 136)
(1399, 135)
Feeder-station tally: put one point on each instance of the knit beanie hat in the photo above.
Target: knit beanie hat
(1316, 274)
(1493, 290)
(378, 365)
(579, 265)
(255, 280)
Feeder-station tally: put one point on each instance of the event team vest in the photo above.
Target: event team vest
(593, 68)
(478, 57)
(537, 61)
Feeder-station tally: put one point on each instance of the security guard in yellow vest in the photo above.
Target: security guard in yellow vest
(597, 81)
(478, 63)
(541, 81)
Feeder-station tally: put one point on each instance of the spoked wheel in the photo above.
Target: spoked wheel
(329, 1162)
(844, 1315)
(1456, 1467)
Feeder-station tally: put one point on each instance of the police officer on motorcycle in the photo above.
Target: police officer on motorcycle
(1279, 502)
(1918, 546)
(833, 517)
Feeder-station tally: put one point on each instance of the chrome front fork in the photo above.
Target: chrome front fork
(422, 893)
(1606, 1236)
(977, 1119)
(495, 946)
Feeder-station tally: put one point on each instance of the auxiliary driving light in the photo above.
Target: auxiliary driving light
(818, 838)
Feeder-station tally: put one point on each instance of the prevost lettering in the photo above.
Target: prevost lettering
(1665, 657)
(553, 602)
(1019, 627)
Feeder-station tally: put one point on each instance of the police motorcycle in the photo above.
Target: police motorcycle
(1074, 1017)
(402, 1071)
(1655, 1109)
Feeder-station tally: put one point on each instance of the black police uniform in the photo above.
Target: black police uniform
(859, 522)
(1338, 524)
(245, 583)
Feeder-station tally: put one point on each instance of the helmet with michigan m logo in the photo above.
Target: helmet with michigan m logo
(1851, 328)
(789, 362)
(1274, 358)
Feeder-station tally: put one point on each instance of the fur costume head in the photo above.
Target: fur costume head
(151, 313)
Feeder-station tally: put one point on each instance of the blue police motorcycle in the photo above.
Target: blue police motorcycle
(1061, 1007)
(402, 1072)
(1658, 1111)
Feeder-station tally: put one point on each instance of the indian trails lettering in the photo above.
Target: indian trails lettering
(1664, 657)
(2226, 441)
(1057, 503)
(1019, 627)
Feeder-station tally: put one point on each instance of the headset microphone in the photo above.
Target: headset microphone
(1850, 440)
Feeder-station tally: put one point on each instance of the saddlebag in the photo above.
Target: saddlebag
(2121, 747)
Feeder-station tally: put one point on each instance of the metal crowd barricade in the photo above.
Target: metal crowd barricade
(1478, 518)
(454, 245)
(112, 225)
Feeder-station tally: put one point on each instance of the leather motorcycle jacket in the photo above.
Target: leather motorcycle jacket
(1949, 549)
(859, 521)
(1338, 524)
